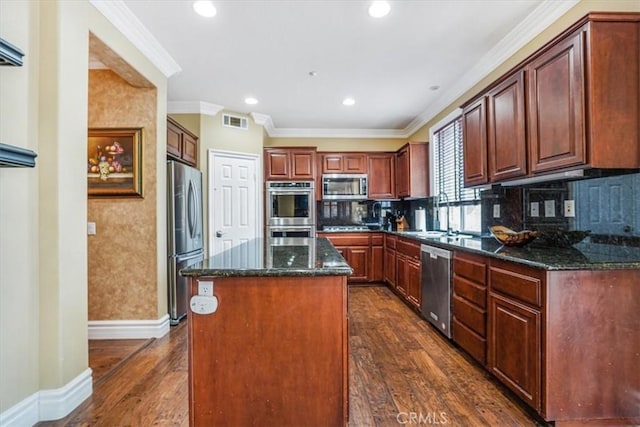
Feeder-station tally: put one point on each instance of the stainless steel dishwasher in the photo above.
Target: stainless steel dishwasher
(436, 287)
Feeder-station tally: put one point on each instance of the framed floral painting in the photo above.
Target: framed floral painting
(114, 166)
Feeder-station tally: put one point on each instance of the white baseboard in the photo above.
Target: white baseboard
(128, 329)
(46, 405)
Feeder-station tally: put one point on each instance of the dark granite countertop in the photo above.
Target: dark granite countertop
(585, 255)
(290, 256)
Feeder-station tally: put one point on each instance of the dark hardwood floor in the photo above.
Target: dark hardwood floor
(401, 372)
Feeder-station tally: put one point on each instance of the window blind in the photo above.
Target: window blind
(449, 165)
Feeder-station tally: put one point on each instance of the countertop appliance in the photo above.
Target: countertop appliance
(344, 187)
(291, 209)
(184, 232)
(436, 287)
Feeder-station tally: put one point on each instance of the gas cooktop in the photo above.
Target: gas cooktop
(345, 228)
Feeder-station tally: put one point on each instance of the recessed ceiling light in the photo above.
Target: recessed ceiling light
(250, 100)
(204, 8)
(313, 73)
(378, 9)
(434, 87)
(348, 101)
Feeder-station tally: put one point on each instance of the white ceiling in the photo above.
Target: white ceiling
(266, 49)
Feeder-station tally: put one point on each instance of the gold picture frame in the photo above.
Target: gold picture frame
(114, 164)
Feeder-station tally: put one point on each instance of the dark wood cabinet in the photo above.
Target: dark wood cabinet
(182, 145)
(376, 272)
(474, 131)
(470, 304)
(290, 164)
(412, 170)
(403, 269)
(344, 163)
(413, 276)
(581, 108)
(556, 106)
(382, 176)
(390, 260)
(401, 274)
(507, 145)
(363, 252)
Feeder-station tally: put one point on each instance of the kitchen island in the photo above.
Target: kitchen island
(275, 350)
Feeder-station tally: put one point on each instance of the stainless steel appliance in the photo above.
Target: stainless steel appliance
(344, 187)
(184, 232)
(291, 209)
(436, 287)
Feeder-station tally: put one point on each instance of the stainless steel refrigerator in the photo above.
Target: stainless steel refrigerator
(184, 232)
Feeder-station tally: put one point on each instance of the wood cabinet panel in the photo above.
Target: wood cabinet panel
(412, 170)
(413, 277)
(556, 106)
(344, 163)
(401, 274)
(472, 267)
(376, 273)
(470, 315)
(182, 145)
(470, 341)
(331, 163)
(507, 145)
(382, 176)
(390, 267)
(390, 241)
(290, 164)
(358, 259)
(409, 248)
(470, 291)
(514, 354)
(517, 281)
(474, 130)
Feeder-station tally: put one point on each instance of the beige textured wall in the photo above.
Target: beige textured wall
(122, 255)
(573, 15)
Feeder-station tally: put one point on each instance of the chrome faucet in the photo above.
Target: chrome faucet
(373, 209)
(443, 195)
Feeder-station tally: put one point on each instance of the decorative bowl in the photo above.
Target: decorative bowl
(509, 237)
(563, 239)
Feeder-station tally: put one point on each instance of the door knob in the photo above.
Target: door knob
(219, 233)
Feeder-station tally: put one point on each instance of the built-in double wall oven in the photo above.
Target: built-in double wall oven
(291, 209)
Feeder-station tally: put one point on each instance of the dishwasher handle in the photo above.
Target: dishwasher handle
(435, 252)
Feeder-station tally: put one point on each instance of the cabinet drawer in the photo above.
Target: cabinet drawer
(470, 315)
(519, 282)
(471, 342)
(470, 267)
(376, 240)
(390, 241)
(410, 249)
(349, 240)
(475, 293)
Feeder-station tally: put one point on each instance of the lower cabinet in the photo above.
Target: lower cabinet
(402, 269)
(364, 252)
(413, 275)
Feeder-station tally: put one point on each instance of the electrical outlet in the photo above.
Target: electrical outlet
(496, 211)
(205, 289)
(549, 208)
(569, 208)
(91, 228)
(535, 209)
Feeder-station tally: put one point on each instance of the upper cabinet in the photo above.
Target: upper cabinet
(344, 163)
(182, 145)
(290, 164)
(382, 176)
(412, 170)
(581, 109)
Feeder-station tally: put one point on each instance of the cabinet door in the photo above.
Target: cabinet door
(507, 148)
(382, 176)
(556, 106)
(376, 273)
(390, 267)
(402, 173)
(174, 140)
(401, 273)
(354, 163)
(515, 347)
(276, 164)
(474, 130)
(331, 163)
(189, 149)
(413, 276)
(303, 164)
(358, 259)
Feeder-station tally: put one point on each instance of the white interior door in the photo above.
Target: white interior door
(235, 214)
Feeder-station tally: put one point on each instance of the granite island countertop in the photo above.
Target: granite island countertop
(586, 255)
(288, 256)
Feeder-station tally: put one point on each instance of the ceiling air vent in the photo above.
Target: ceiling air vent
(235, 122)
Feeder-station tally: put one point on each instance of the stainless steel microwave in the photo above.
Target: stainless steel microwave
(344, 187)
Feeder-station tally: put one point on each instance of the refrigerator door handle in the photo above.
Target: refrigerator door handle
(192, 210)
(182, 258)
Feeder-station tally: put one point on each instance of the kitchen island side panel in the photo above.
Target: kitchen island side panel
(274, 353)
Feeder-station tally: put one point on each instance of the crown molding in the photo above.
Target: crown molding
(131, 28)
(265, 121)
(537, 21)
(336, 133)
(193, 107)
